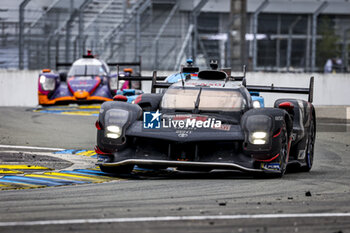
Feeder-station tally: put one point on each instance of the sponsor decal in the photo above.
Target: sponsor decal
(279, 118)
(182, 135)
(204, 84)
(223, 127)
(270, 166)
(151, 120)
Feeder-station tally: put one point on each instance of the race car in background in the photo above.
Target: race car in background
(167, 129)
(88, 80)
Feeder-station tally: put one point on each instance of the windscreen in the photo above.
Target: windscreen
(87, 70)
(209, 99)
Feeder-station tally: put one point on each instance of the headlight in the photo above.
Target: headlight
(48, 84)
(115, 119)
(256, 104)
(258, 138)
(112, 135)
(114, 131)
(259, 135)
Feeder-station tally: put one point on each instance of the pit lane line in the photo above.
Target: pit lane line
(172, 218)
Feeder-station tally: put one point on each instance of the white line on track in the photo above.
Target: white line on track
(171, 218)
(30, 147)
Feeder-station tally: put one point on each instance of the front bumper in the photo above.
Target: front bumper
(44, 100)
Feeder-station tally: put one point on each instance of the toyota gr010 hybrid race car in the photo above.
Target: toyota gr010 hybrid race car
(207, 124)
(88, 80)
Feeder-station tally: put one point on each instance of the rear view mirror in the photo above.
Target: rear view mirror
(63, 76)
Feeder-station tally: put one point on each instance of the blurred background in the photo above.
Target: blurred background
(267, 35)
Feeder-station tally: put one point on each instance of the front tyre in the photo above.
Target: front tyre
(310, 147)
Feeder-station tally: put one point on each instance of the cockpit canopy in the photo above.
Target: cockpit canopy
(210, 99)
(88, 67)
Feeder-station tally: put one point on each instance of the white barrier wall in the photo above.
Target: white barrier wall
(329, 89)
(19, 88)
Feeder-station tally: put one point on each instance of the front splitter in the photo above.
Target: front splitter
(170, 163)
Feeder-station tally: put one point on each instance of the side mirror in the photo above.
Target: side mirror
(63, 76)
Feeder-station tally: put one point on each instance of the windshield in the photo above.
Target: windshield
(210, 99)
(87, 70)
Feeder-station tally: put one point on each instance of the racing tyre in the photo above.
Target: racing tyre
(310, 146)
(117, 170)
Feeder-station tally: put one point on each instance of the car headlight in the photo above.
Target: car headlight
(48, 84)
(115, 120)
(256, 104)
(113, 131)
(258, 138)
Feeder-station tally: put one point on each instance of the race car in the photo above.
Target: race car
(207, 124)
(88, 80)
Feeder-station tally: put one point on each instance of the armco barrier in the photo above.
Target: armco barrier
(19, 88)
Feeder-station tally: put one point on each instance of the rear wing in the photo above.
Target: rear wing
(138, 64)
(293, 90)
(140, 78)
(155, 84)
(126, 64)
(64, 64)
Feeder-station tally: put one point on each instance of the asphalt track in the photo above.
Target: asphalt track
(318, 201)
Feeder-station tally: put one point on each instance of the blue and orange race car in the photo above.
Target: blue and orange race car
(88, 80)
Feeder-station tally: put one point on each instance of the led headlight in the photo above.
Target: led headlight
(259, 135)
(258, 138)
(114, 131)
(256, 104)
(48, 84)
(115, 120)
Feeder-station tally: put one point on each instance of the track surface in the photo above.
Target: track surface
(121, 204)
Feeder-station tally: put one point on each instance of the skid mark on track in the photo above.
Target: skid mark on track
(89, 110)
